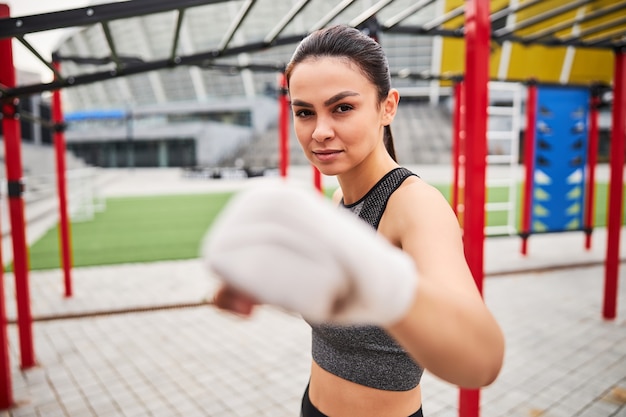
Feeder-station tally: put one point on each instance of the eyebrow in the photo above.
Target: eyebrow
(337, 97)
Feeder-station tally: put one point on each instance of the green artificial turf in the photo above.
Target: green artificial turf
(135, 229)
(501, 194)
(155, 228)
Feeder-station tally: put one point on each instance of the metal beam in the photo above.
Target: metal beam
(109, 38)
(607, 38)
(599, 28)
(595, 14)
(420, 30)
(541, 17)
(85, 16)
(336, 11)
(440, 20)
(512, 9)
(179, 22)
(367, 14)
(204, 59)
(276, 31)
(243, 12)
(38, 56)
(459, 33)
(406, 13)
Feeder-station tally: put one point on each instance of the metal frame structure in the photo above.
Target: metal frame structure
(18, 27)
(476, 20)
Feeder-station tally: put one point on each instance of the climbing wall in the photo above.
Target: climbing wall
(560, 159)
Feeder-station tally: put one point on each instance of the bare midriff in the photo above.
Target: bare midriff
(337, 397)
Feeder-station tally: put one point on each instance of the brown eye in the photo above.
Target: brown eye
(343, 108)
(303, 113)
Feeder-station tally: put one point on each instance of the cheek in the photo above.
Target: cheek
(302, 133)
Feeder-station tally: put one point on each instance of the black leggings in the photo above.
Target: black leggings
(309, 410)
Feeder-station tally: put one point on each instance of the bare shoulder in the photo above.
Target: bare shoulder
(418, 206)
(416, 196)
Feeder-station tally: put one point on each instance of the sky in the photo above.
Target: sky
(43, 42)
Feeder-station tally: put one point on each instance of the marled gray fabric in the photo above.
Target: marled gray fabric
(367, 355)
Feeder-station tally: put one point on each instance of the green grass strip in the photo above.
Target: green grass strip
(170, 227)
(135, 229)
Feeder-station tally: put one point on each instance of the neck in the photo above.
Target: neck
(356, 182)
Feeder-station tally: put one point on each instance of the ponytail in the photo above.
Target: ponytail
(388, 140)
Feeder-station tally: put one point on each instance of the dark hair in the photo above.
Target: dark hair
(347, 42)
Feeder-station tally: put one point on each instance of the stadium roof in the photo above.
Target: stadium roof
(580, 24)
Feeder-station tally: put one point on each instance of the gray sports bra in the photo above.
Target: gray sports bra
(367, 355)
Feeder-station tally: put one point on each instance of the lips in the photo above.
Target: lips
(326, 151)
(326, 154)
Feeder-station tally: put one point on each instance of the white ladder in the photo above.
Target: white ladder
(503, 131)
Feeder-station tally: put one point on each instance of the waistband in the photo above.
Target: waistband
(309, 410)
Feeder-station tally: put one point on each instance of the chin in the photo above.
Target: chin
(328, 170)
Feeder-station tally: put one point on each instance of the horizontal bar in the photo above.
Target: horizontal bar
(204, 59)
(336, 11)
(531, 21)
(406, 13)
(17, 26)
(288, 18)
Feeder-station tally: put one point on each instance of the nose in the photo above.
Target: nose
(323, 130)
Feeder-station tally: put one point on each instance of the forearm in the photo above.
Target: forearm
(454, 337)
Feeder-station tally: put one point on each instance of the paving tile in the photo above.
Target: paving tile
(562, 358)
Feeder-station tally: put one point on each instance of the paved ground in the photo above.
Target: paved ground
(141, 340)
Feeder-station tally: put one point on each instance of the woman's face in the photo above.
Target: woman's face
(338, 119)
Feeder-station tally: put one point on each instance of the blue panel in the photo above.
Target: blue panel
(95, 115)
(560, 159)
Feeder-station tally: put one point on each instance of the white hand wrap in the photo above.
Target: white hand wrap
(292, 248)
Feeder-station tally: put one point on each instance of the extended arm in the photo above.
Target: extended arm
(292, 249)
(448, 328)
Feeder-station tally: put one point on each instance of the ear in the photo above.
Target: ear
(390, 106)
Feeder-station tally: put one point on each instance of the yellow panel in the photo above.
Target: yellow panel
(495, 5)
(457, 21)
(452, 57)
(536, 61)
(592, 65)
(453, 49)
(453, 53)
(540, 62)
(540, 8)
(452, 4)
(494, 59)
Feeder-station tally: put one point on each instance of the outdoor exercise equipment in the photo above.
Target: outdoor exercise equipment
(601, 30)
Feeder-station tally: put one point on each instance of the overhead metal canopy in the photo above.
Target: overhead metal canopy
(601, 25)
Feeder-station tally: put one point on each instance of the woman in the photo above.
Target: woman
(369, 349)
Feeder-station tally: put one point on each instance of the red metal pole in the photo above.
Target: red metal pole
(12, 137)
(6, 391)
(59, 149)
(529, 164)
(283, 125)
(456, 146)
(616, 184)
(317, 179)
(477, 35)
(592, 156)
